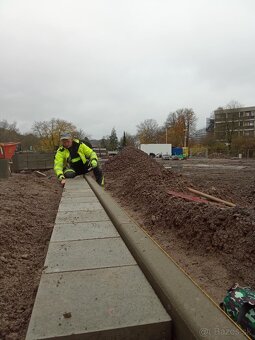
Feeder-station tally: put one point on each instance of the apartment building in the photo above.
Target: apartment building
(230, 123)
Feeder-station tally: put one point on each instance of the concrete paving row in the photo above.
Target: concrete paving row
(91, 287)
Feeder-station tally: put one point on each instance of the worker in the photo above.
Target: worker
(75, 158)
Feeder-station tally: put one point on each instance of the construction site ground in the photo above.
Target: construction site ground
(213, 243)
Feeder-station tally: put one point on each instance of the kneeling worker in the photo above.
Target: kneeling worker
(75, 158)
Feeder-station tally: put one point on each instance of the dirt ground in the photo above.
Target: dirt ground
(214, 244)
(28, 210)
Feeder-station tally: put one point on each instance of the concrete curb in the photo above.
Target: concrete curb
(194, 315)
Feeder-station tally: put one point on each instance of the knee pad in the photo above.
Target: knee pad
(69, 173)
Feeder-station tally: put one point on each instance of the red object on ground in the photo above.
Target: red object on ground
(7, 150)
(187, 197)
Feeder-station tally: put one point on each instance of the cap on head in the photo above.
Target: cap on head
(65, 135)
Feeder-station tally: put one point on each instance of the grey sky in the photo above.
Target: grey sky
(113, 63)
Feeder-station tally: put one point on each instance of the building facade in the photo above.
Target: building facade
(230, 123)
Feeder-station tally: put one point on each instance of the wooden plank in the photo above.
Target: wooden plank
(187, 197)
(213, 198)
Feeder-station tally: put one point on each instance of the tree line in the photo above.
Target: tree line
(178, 129)
(45, 135)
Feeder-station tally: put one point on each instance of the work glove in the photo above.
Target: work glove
(93, 163)
(61, 177)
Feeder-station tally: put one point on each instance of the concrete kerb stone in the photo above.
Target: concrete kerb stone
(193, 313)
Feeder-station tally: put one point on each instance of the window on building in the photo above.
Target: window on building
(248, 123)
(232, 116)
(248, 133)
(247, 114)
(220, 116)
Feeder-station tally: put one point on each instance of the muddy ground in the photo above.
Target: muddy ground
(28, 207)
(214, 244)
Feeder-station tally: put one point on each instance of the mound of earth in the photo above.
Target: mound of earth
(28, 210)
(141, 184)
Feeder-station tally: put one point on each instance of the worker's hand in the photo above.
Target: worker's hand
(93, 163)
(62, 180)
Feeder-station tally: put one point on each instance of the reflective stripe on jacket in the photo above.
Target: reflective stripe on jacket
(63, 157)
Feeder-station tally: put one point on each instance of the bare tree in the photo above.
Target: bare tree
(180, 125)
(49, 132)
(9, 131)
(233, 104)
(128, 140)
(229, 118)
(29, 142)
(148, 131)
(104, 142)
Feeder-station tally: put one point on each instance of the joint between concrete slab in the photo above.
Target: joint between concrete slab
(87, 239)
(64, 222)
(89, 269)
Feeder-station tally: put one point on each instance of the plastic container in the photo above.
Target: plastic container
(177, 151)
(7, 150)
(185, 151)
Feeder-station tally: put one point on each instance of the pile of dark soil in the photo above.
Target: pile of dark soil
(140, 183)
(28, 210)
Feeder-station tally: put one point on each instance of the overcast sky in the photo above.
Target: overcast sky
(111, 63)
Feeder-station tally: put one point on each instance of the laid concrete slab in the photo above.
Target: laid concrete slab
(87, 254)
(75, 180)
(81, 216)
(76, 189)
(112, 303)
(80, 206)
(83, 193)
(91, 287)
(80, 199)
(83, 231)
(76, 184)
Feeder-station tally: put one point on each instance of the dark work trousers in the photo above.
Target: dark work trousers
(81, 169)
(98, 174)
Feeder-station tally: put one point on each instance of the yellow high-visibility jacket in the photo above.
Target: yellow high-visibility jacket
(63, 157)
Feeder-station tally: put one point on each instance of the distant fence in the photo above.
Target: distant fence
(32, 161)
(198, 151)
(204, 152)
(101, 152)
(42, 160)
